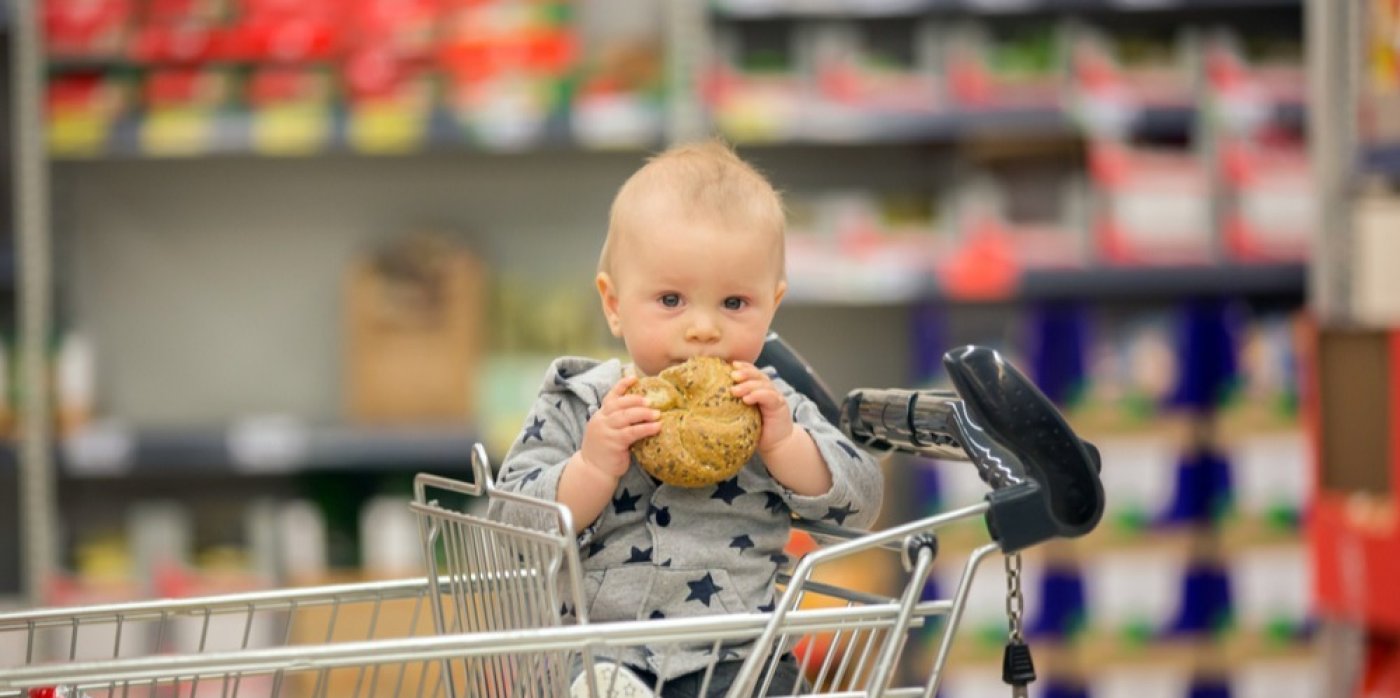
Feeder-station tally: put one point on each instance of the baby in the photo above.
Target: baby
(692, 266)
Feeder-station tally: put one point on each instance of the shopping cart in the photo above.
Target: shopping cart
(486, 619)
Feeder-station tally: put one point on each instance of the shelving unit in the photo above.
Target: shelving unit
(276, 447)
(746, 9)
(1009, 312)
(194, 269)
(1125, 283)
(9, 474)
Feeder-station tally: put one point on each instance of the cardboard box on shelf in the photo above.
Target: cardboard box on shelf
(414, 321)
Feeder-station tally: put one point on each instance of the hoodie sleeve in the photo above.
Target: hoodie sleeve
(551, 435)
(857, 484)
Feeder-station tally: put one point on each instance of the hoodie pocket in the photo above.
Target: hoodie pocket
(694, 592)
(617, 593)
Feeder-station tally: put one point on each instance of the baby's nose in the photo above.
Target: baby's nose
(702, 330)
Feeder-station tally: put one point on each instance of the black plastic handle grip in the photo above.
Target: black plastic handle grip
(1004, 407)
(792, 368)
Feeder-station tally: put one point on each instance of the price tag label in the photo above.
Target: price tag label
(77, 133)
(1134, 588)
(101, 449)
(1272, 585)
(268, 444)
(1163, 214)
(298, 129)
(387, 128)
(1272, 471)
(178, 131)
(1281, 209)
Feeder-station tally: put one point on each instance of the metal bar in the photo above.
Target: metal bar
(420, 649)
(865, 654)
(31, 177)
(1331, 54)
(687, 38)
(955, 616)
(163, 608)
(894, 641)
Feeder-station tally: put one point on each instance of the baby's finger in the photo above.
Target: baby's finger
(633, 415)
(765, 398)
(749, 386)
(615, 403)
(641, 431)
(621, 386)
(743, 372)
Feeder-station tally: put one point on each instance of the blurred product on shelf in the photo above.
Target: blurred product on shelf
(300, 545)
(1251, 74)
(621, 93)
(1151, 205)
(75, 382)
(1270, 201)
(1117, 74)
(860, 71)
(88, 27)
(755, 89)
(532, 323)
(414, 329)
(389, 541)
(406, 75)
(389, 102)
(84, 108)
(504, 63)
(184, 108)
(1007, 64)
(857, 246)
(1035, 209)
(291, 109)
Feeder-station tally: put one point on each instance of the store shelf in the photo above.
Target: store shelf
(1382, 160)
(814, 127)
(262, 447)
(767, 9)
(1119, 283)
(233, 133)
(1164, 282)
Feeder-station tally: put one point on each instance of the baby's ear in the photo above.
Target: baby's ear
(607, 293)
(779, 293)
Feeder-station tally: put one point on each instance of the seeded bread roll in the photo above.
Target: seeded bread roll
(707, 434)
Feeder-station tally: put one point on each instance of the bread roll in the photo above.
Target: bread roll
(707, 434)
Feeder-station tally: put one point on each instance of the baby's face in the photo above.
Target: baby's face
(692, 289)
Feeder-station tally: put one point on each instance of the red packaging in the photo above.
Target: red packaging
(87, 27)
(184, 11)
(178, 43)
(186, 87)
(408, 27)
(1271, 203)
(275, 85)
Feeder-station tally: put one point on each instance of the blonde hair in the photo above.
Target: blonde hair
(705, 180)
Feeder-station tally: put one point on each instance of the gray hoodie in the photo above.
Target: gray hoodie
(661, 551)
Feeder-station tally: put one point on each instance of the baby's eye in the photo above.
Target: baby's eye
(670, 300)
(733, 303)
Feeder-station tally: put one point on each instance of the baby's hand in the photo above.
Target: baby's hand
(755, 388)
(621, 420)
